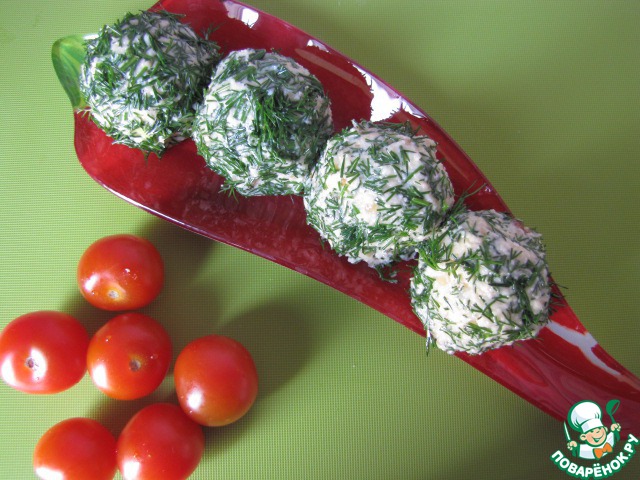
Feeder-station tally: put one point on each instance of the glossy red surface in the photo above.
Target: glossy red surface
(563, 366)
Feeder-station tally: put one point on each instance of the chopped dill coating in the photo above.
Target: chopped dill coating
(263, 123)
(481, 282)
(142, 78)
(377, 192)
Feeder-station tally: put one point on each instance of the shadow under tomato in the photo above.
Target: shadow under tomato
(114, 414)
(279, 340)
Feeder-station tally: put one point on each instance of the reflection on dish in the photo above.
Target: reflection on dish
(586, 343)
(385, 102)
(315, 43)
(245, 14)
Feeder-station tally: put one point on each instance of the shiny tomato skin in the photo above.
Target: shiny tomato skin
(159, 442)
(43, 352)
(216, 380)
(129, 356)
(120, 272)
(76, 449)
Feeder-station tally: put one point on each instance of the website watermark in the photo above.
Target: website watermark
(597, 449)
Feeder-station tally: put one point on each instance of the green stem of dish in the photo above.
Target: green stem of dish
(68, 55)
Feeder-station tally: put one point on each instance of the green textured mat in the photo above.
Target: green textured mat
(544, 96)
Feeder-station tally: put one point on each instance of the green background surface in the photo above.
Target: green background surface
(544, 96)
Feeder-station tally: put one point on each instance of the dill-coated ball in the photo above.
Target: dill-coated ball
(481, 282)
(142, 77)
(377, 192)
(263, 122)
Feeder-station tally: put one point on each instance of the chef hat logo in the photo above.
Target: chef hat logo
(585, 416)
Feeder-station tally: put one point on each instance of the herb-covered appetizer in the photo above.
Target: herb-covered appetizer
(142, 78)
(377, 192)
(263, 123)
(481, 282)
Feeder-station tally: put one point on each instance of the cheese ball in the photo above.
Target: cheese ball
(142, 78)
(377, 192)
(481, 282)
(263, 123)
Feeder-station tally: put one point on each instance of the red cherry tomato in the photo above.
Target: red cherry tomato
(43, 352)
(159, 442)
(76, 449)
(120, 272)
(129, 356)
(216, 380)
